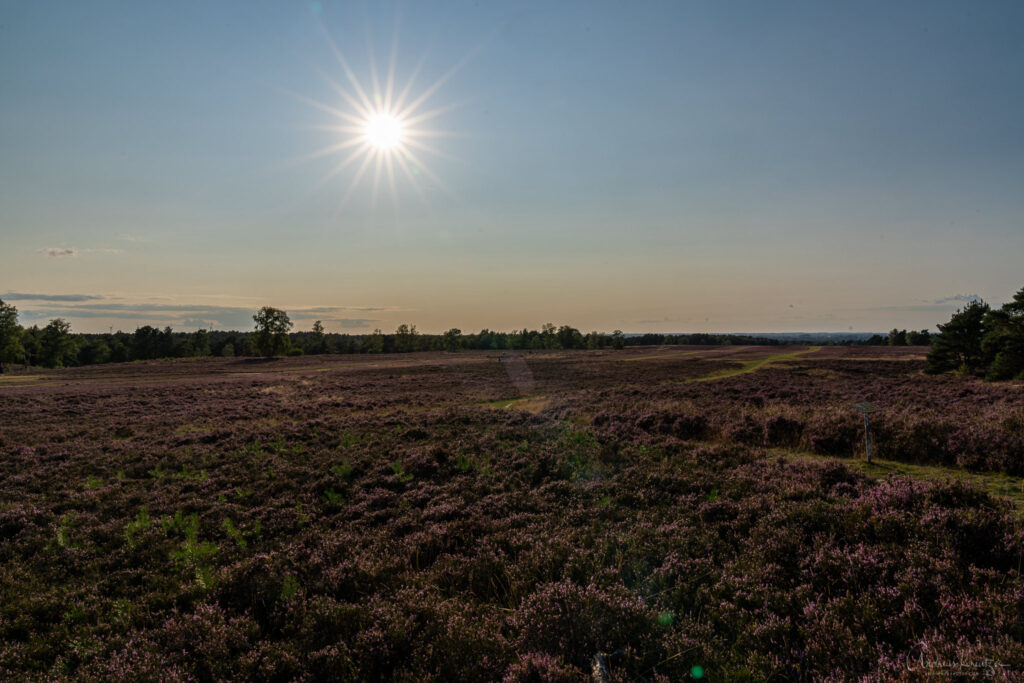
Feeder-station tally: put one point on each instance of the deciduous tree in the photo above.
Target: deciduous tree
(405, 338)
(93, 351)
(32, 343)
(375, 342)
(897, 337)
(201, 343)
(10, 335)
(318, 342)
(549, 334)
(58, 348)
(915, 338)
(451, 339)
(146, 343)
(272, 325)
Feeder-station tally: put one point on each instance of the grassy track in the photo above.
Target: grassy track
(751, 366)
(995, 483)
(532, 404)
(659, 356)
(20, 379)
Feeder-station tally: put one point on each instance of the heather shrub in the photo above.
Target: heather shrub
(213, 640)
(833, 433)
(689, 426)
(576, 622)
(918, 439)
(135, 659)
(382, 524)
(540, 667)
(780, 430)
(744, 429)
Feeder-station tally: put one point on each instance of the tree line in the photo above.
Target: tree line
(901, 338)
(55, 345)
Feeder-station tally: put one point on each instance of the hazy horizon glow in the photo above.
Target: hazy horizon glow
(723, 167)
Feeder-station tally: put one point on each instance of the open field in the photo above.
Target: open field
(500, 516)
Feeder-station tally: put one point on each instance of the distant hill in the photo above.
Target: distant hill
(802, 337)
(819, 336)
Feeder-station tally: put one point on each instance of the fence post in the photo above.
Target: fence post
(867, 435)
(866, 409)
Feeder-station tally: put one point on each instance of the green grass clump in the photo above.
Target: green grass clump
(141, 522)
(193, 555)
(333, 498)
(342, 471)
(399, 470)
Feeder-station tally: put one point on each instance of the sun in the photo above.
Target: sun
(383, 131)
(377, 129)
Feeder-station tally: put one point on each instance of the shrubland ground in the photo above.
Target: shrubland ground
(486, 516)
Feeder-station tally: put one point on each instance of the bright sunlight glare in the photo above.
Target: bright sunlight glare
(383, 131)
(381, 127)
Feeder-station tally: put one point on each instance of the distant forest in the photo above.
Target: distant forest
(55, 345)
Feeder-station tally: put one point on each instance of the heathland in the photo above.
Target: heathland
(659, 513)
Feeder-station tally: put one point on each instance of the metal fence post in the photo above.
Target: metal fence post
(867, 435)
(866, 409)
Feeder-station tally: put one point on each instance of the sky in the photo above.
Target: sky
(649, 166)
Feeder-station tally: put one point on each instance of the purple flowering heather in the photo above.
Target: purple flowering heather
(353, 518)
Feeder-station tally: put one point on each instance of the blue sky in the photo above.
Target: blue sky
(676, 166)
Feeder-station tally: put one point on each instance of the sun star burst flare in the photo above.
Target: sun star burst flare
(381, 129)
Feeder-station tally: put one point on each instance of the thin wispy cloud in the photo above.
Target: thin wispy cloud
(201, 323)
(334, 310)
(58, 252)
(921, 308)
(944, 305)
(73, 252)
(958, 298)
(161, 308)
(354, 323)
(21, 296)
(178, 315)
(173, 314)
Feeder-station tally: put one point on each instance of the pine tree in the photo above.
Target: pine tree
(958, 345)
(1004, 340)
